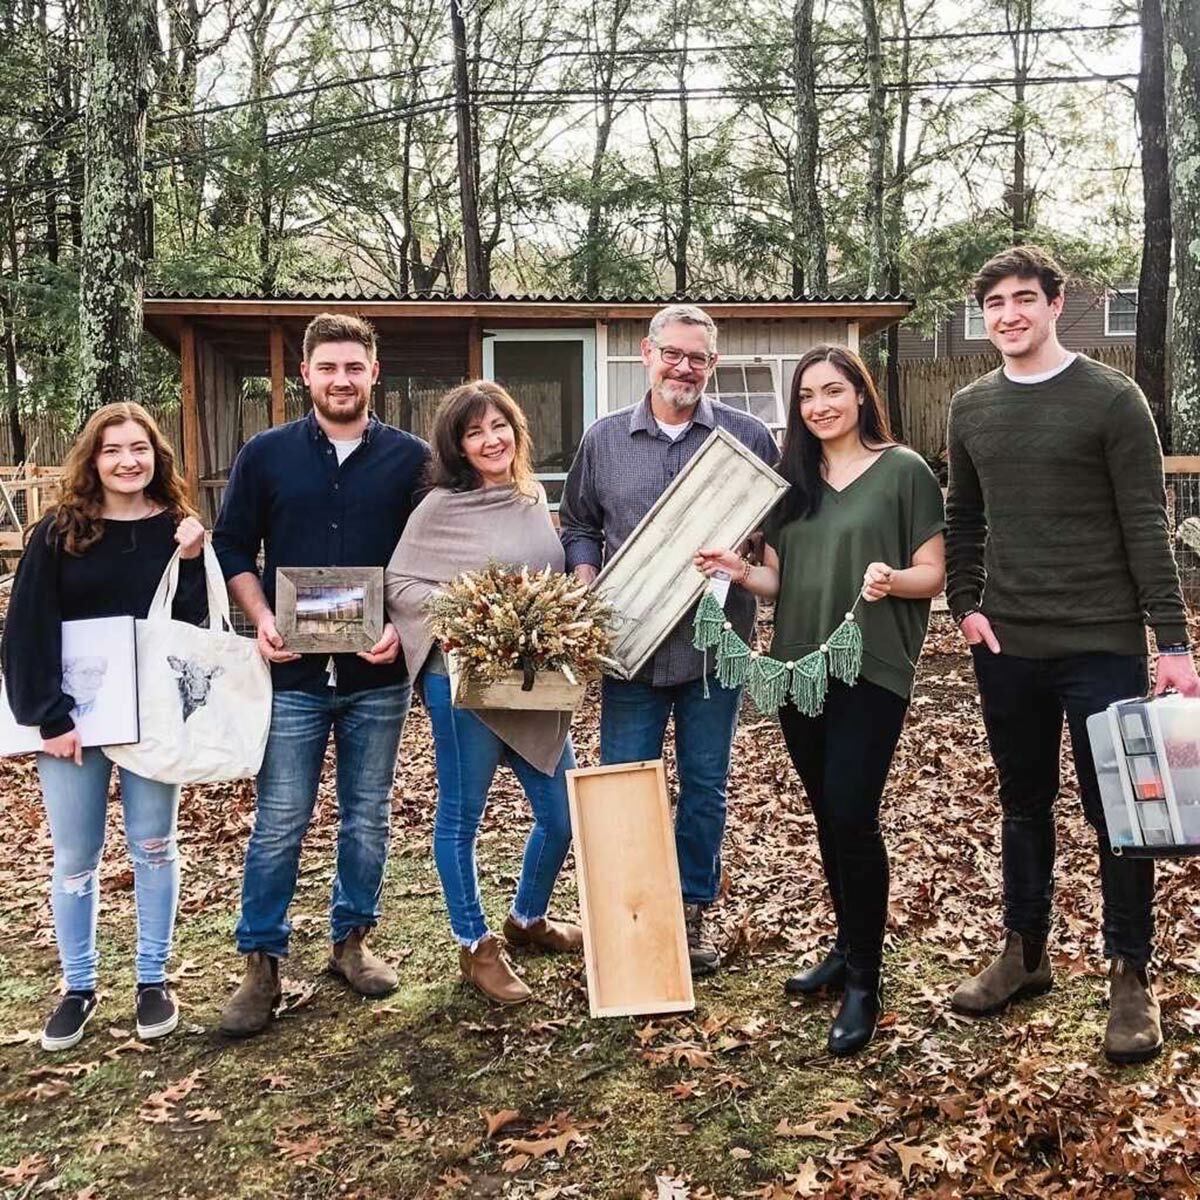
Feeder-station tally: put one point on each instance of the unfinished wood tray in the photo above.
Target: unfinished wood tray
(551, 690)
(634, 941)
(718, 499)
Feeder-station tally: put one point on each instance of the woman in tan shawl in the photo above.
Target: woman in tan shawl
(485, 504)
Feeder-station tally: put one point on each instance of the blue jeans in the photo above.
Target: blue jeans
(468, 753)
(76, 800)
(633, 721)
(366, 734)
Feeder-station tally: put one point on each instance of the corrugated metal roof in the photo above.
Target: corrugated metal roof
(538, 298)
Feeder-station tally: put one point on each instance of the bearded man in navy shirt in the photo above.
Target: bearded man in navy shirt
(333, 489)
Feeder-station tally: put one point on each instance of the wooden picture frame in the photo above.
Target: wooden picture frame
(552, 691)
(634, 941)
(340, 608)
(718, 499)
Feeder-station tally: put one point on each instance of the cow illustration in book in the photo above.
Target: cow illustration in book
(194, 680)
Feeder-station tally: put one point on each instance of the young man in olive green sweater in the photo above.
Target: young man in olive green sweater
(1058, 557)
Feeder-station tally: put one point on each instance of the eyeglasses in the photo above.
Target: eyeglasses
(673, 357)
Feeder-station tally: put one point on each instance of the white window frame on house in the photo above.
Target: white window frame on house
(972, 311)
(772, 362)
(1125, 293)
(587, 337)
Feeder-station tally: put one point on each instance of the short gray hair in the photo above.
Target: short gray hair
(682, 314)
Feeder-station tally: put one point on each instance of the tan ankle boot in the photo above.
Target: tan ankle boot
(555, 937)
(487, 968)
(1134, 1032)
(250, 1008)
(365, 972)
(1003, 980)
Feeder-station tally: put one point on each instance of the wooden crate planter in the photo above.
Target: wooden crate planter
(551, 690)
(634, 941)
(718, 499)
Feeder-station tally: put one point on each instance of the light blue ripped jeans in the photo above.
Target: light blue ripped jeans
(76, 800)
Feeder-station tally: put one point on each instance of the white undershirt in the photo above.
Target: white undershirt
(1042, 376)
(674, 432)
(344, 447)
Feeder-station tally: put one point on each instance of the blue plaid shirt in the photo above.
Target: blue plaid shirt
(624, 463)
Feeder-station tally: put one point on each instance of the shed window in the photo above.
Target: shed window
(974, 329)
(752, 386)
(1120, 313)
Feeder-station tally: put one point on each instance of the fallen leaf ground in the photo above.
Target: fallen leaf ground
(431, 1093)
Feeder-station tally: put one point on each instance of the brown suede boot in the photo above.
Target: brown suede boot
(365, 972)
(555, 937)
(1003, 980)
(487, 968)
(250, 1008)
(1134, 1032)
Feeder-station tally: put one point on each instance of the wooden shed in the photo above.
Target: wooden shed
(566, 361)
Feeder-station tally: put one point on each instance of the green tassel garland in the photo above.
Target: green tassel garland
(810, 681)
(708, 623)
(770, 681)
(845, 651)
(767, 683)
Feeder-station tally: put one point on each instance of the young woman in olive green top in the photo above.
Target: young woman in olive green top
(863, 514)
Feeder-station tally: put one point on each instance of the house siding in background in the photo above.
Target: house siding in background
(1082, 326)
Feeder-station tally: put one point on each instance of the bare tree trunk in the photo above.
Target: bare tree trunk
(468, 179)
(809, 252)
(1019, 19)
(1150, 354)
(877, 132)
(606, 75)
(112, 265)
(1181, 54)
(684, 230)
(895, 222)
(9, 334)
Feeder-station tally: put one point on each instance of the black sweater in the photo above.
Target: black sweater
(116, 577)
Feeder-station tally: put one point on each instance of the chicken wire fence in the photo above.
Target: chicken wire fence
(1183, 515)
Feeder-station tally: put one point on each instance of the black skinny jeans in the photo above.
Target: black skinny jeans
(843, 757)
(1024, 701)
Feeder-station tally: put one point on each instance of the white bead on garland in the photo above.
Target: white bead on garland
(770, 681)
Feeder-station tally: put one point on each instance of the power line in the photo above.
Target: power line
(530, 97)
(633, 52)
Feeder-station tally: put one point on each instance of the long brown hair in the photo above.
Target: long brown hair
(800, 459)
(78, 521)
(448, 467)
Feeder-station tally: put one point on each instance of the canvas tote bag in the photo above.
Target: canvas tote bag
(204, 694)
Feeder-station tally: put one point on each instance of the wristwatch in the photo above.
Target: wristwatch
(963, 616)
(1175, 648)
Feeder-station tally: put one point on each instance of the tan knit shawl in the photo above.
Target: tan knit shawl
(452, 532)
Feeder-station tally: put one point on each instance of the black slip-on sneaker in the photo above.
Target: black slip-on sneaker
(65, 1027)
(157, 1012)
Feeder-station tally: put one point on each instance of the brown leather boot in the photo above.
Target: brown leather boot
(555, 937)
(1002, 981)
(1134, 1032)
(365, 972)
(250, 1008)
(487, 968)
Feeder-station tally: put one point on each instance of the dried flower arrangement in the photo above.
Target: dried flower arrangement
(502, 619)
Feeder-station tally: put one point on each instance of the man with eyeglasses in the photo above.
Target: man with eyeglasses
(625, 462)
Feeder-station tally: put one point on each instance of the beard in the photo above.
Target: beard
(683, 396)
(342, 409)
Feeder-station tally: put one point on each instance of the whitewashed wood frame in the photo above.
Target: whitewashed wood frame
(718, 499)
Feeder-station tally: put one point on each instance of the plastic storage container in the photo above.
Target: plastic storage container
(1147, 756)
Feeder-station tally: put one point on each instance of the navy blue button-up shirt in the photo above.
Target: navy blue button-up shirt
(624, 464)
(287, 494)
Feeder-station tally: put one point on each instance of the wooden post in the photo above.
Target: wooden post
(191, 411)
(278, 392)
(475, 350)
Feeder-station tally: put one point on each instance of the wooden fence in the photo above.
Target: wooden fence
(926, 385)
(48, 437)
